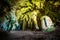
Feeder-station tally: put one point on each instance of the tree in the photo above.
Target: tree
(27, 10)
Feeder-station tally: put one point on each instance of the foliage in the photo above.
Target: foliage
(27, 10)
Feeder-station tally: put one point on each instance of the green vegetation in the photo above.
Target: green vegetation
(25, 9)
(29, 12)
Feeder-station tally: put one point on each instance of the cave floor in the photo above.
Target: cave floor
(32, 35)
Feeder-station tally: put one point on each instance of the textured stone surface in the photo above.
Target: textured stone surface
(30, 35)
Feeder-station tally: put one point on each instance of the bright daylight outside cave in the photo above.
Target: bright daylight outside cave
(29, 15)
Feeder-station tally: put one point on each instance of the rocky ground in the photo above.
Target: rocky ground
(30, 35)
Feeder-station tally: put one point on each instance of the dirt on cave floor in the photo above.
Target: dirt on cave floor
(30, 35)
